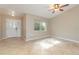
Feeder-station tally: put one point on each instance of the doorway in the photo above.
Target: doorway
(13, 28)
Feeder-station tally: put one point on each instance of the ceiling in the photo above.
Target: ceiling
(34, 9)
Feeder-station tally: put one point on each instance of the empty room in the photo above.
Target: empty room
(39, 29)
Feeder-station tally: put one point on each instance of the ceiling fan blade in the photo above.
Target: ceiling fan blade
(61, 9)
(53, 11)
(65, 5)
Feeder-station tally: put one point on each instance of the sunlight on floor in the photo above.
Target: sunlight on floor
(48, 43)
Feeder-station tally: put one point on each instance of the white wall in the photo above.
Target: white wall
(66, 25)
(30, 33)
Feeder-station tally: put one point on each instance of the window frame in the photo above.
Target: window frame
(41, 23)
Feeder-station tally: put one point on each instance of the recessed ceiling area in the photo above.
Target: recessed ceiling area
(34, 9)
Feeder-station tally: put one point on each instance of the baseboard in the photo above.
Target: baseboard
(4, 38)
(36, 38)
(67, 39)
(7, 38)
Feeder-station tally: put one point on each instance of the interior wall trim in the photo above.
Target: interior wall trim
(37, 38)
(66, 39)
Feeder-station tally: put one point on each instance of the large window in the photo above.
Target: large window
(40, 26)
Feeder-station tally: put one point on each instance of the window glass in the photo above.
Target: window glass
(40, 26)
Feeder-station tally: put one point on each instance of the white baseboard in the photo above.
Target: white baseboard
(36, 38)
(6, 38)
(67, 39)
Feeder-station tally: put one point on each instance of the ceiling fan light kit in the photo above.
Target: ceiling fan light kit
(57, 7)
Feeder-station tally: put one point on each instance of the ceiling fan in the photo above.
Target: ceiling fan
(57, 7)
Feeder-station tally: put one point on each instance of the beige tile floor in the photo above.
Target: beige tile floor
(48, 46)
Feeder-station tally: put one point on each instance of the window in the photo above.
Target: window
(40, 26)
